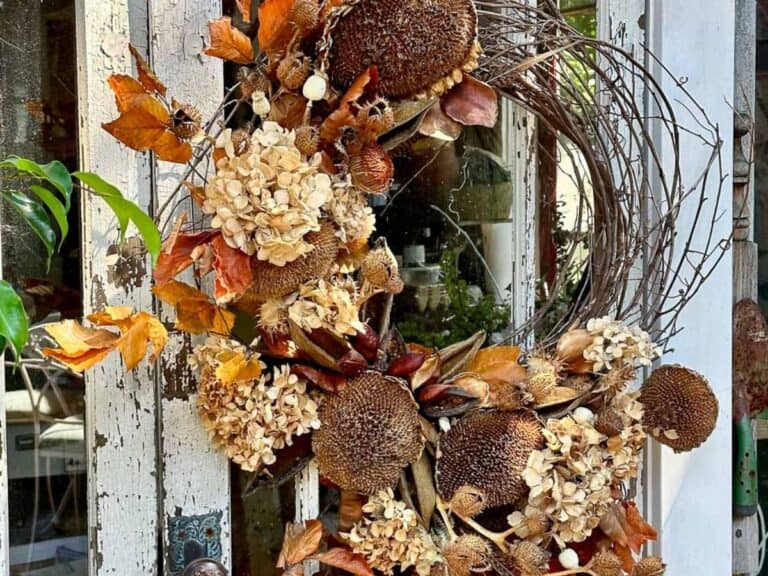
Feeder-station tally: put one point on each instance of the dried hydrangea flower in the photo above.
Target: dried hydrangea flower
(266, 200)
(390, 536)
(571, 479)
(252, 419)
(350, 211)
(615, 344)
(329, 304)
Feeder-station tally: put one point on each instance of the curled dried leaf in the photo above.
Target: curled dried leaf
(228, 43)
(472, 103)
(300, 542)
(345, 559)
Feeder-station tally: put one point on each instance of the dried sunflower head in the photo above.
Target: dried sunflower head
(390, 536)
(488, 451)
(370, 431)
(419, 46)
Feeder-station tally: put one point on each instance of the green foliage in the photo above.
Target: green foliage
(14, 325)
(44, 206)
(464, 316)
(125, 211)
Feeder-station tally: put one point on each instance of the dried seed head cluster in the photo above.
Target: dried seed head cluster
(488, 451)
(615, 344)
(268, 199)
(466, 554)
(571, 479)
(652, 566)
(253, 418)
(530, 524)
(418, 46)
(680, 408)
(390, 536)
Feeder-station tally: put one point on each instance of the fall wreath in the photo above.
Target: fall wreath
(473, 458)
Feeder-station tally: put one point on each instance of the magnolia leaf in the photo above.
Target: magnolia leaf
(498, 365)
(436, 124)
(300, 542)
(345, 559)
(36, 218)
(125, 211)
(55, 173)
(228, 43)
(14, 325)
(456, 357)
(56, 208)
(233, 270)
(472, 103)
(275, 26)
(147, 76)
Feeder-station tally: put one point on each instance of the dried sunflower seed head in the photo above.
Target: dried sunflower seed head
(651, 566)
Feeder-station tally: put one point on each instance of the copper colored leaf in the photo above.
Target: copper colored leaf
(472, 103)
(80, 347)
(176, 255)
(244, 6)
(228, 43)
(343, 116)
(498, 365)
(195, 313)
(144, 126)
(127, 91)
(234, 367)
(407, 364)
(275, 26)
(326, 381)
(288, 110)
(639, 530)
(233, 270)
(300, 542)
(345, 559)
(143, 330)
(147, 76)
(436, 124)
(352, 363)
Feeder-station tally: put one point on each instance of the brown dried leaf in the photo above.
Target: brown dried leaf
(312, 350)
(350, 509)
(176, 255)
(127, 91)
(275, 26)
(147, 76)
(345, 559)
(498, 365)
(234, 274)
(436, 124)
(244, 6)
(300, 542)
(423, 479)
(228, 43)
(472, 103)
(456, 357)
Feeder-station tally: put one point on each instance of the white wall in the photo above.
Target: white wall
(696, 40)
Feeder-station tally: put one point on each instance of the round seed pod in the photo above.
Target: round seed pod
(252, 80)
(609, 422)
(651, 566)
(306, 14)
(488, 451)
(270, 281)
(293, 71)
(369, 432)
(529, 556)
(606, 564)
(415, 44)
(371, 169)
(307, 140)
(186, 121)
(466, 554)
(680, 407)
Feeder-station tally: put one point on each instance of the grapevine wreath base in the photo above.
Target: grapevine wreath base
(468, 459)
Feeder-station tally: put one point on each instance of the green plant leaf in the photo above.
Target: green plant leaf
(14, 325)
(58, 210)
(125, 211)
(54, 172)
(35, 216)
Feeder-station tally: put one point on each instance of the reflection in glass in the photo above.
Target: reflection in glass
(45, 443)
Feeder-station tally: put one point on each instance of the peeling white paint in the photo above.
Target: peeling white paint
(121, 414)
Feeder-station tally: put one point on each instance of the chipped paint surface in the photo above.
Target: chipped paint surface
(121, 413)
(194, 478)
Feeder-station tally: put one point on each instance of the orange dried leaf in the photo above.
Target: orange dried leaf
(345, 559)
(147, 76)
(244, 6)
(228, 43)
(275, 26)
(195, 313)
(300, 542)
(119, 316)
(233, 271)
(128, 91)
(144, 126)
(234, 368)
(343, 117)
(639, 531)
(174, 292)
(80, 347)
(78, 362)
(498, 365)
(142, 330)
(176, 255)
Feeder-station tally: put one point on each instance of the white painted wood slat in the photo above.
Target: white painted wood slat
(121, 413)
(195, 488)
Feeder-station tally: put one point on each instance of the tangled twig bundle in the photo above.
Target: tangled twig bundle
(622, 131)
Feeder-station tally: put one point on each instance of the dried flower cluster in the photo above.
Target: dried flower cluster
(254, 417)
(615, 344)
(390, 536)
(350, 211)
(266, 200)
(571, 479)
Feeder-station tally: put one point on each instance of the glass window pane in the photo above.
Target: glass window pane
(44, 404)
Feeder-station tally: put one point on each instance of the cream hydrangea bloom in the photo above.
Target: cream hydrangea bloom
(615, 345)
(329, 304)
